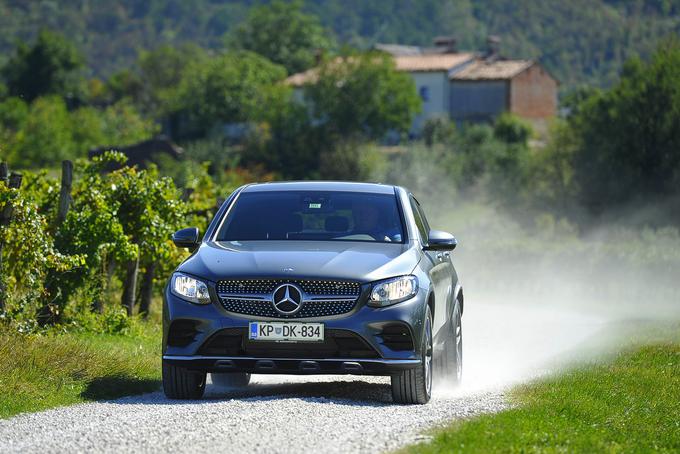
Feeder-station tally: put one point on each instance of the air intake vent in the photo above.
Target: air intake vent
(182, 333)
(397, 337)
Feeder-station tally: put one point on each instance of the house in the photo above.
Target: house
(468, 86)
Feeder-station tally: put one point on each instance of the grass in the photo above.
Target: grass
(631, 403)
(45, 371)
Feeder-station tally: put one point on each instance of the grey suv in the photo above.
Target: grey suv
(314, 278)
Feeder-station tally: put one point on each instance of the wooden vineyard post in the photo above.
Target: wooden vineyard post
(65, 192)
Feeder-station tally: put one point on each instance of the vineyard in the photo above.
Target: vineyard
(94, 246)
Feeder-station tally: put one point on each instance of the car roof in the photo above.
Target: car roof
(344, 186)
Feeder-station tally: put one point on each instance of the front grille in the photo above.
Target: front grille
(322, 298)
(264, 308)
(337, 344)
(309, 286)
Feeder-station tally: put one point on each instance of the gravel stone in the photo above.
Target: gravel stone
(275, 414)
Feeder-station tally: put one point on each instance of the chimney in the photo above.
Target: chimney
(493, 46)
(445, 44)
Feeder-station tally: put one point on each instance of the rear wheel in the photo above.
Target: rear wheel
(182, 383)
(233, 380)
(452, 361)
(414, 386)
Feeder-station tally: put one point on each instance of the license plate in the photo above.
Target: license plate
(286, 331)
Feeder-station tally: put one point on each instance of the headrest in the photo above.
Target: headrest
(337, 224)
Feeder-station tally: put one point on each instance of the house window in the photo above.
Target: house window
(424, 93)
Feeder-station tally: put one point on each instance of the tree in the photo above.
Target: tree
(49, 67)
(362, 94)
(284, 34)
(45, 137)
(160, 73)
(236, 87)
(46, 132)
(629, 136)
(512, 130)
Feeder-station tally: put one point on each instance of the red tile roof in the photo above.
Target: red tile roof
(494, 70)
(431, 62)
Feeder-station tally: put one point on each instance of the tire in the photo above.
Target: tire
(181, 383)
(414, 386)
(233, 380)
(452, 361)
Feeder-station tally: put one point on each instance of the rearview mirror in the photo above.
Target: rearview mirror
(440, 241)
(187, 238)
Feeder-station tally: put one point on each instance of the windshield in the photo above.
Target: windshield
(313, 215)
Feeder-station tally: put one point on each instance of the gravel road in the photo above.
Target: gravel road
(307, 414)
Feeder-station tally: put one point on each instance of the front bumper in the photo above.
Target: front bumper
(292, 365)
(355, 344)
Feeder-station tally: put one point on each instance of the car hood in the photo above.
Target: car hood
(358, 261)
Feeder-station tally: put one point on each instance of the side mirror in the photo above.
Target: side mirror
(188, 238)
(440, 241)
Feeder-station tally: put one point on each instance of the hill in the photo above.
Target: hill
(580, 41)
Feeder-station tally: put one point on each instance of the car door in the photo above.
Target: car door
(440, 272)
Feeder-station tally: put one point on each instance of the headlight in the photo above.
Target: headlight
(393, 291)
(190, 289)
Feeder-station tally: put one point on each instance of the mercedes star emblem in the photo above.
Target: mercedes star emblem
(287, 299)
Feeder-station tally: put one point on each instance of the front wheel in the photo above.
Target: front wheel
(414, 386)
(182, 383)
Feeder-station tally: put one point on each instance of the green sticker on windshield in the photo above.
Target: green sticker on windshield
(314, 205)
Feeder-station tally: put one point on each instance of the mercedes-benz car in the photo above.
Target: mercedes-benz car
(314, 278)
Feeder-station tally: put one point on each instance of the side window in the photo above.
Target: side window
(422, 215)
(420, 222)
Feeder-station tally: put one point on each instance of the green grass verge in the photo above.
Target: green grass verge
(629, 404)
(44, 371)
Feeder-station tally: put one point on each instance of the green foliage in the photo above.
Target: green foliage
(438, 130)
(284, 34)
(362, 94)
(153, 82)
(45, 136)
(626, 405)
(579, 45)
(629, 140)
(230, 88)
(46, 132)
(349, 161)
(551, 171)
(289, 144)
(118, 216)
(28, 255)
(48, 67)
(513, 130)
(93, 230)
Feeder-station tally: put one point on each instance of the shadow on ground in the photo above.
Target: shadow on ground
(349, 393)
(115, 386)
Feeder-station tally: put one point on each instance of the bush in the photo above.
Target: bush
(46, 132)
(28, 255)
(438, 130)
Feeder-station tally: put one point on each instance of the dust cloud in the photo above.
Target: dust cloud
(546, 296)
